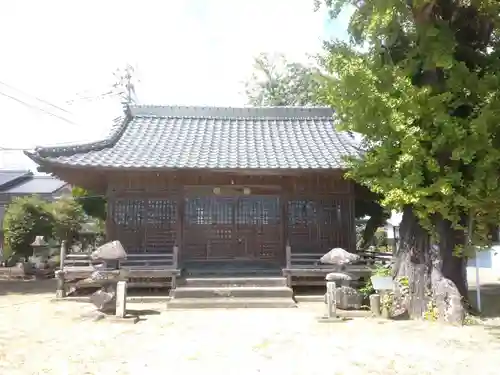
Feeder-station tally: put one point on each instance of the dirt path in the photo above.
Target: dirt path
(41, 337)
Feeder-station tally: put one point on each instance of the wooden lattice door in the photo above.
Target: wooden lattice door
(209, 228)
(258, 227)
(232, 227)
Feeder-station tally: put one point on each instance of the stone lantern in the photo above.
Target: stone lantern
(40, 251)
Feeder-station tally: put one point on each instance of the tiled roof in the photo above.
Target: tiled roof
(37, 185)
(153, 137)
(12, 177)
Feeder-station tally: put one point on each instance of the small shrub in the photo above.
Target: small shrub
(28, 217)
(431, 313)
(25, 218)
(67, 217)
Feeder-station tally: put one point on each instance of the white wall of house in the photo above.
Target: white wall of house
(489, 259)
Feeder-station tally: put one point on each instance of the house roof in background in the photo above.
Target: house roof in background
(10, 178)
(21, 182)
(37, 185)
(168, 137)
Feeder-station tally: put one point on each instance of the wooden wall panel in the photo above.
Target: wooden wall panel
(151, 212)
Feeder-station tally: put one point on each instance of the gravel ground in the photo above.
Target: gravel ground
(38, 336)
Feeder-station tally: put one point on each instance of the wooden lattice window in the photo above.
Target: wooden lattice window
(161, 213)
(209, 210)
(221, 210)
(258, 211)
(129, 213)
(332, 213)
(302, 212)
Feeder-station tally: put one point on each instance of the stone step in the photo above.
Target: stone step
(232, 292)
(232, 281)
(230, 303)
(231, 272)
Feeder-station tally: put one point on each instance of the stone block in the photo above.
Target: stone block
(349, 298)
(121, 299)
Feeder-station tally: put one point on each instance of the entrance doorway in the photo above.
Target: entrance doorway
(231, 228)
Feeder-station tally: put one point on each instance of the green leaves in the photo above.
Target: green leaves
(31, 216)
(425, 95)
(24, 219)
(278, 82)
(92, 205)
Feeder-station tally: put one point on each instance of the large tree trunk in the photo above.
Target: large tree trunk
(453, 267)
(413, 262)
(423, 263)
(371, 227)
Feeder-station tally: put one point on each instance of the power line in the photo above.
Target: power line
(30, 106)
(13, 149)
(37, 98)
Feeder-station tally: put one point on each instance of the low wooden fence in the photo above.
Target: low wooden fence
(304, 268)
(150, 270)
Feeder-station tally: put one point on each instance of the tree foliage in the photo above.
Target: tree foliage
(93, 205)
(278, 82)
(28, 217)
(425, 94)
(25, 218)
(419, 80)
(67, 218)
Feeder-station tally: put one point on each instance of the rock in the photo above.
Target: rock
(338, 256)
(98, 275)
(448, 301)
(335, 276)
(109, 251)
(105, 301)
(349, 298)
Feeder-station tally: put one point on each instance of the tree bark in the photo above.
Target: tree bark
(434, 274)
(413, 262)
(453, 267)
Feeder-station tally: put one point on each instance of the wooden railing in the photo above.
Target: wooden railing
(75, 266)
(307, 265)
(133, 261)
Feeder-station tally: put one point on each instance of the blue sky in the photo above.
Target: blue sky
(190, 52)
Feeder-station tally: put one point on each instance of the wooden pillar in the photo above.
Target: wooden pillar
(110, 207)
(352, 218)
(288, 265)
(179, 235)
(175, 265)
(284, 227)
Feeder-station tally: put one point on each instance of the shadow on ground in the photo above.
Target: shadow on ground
(493, 330)
(490, 293)
(26, 287)
(490, 300)
(141, 312)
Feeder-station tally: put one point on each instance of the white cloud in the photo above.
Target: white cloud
(191, 52)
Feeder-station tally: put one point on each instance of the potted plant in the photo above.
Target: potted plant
(382, 279)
